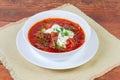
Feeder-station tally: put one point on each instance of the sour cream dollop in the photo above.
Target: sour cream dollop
(63, 34)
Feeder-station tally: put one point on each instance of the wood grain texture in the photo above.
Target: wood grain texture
(105, 12)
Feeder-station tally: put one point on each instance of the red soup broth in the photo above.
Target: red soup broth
(44, 41)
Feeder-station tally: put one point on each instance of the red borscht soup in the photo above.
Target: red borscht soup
(56, 35)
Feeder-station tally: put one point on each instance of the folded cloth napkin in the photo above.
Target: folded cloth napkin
(107, 56)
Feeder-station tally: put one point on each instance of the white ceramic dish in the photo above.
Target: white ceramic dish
(56, 14)
(78, 59)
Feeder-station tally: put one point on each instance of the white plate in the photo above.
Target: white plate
(75, 61)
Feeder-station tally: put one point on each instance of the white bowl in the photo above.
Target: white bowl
(56, 14)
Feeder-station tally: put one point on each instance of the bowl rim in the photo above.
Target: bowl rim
(52, 53)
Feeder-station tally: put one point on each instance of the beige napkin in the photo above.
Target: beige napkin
(107, 57)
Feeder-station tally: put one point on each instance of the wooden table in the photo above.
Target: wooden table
(105, 12)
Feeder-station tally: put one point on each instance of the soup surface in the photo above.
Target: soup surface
(56, 35)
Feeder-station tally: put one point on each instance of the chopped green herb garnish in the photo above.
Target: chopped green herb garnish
(61, 29)
(65, 33)
(58, 30)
